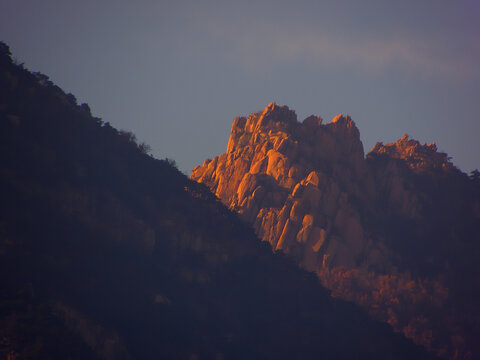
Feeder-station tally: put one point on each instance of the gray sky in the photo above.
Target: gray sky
(176, 73)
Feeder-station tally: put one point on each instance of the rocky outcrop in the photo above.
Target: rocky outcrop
(308, 189)
(293, 181)
(416, 155)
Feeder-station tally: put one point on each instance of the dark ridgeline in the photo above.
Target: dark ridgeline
(106, 252)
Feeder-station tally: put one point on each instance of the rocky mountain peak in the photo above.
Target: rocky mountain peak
(292, 179)
(304, 184)
(343, 119)
(362, 224)
(274, 113)
(416, 155)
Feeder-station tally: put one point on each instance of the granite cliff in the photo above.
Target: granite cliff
(393, 231)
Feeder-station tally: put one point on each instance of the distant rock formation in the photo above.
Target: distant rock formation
(292, 180)
(309, 191)
(416, 155)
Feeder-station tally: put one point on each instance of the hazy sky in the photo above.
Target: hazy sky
(176, 73)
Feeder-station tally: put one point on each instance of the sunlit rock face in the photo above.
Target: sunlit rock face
(295, 181)
(303, 185)
(376, 229)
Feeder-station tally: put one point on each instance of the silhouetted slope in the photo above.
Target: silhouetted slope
(106, 252)
(397, 232)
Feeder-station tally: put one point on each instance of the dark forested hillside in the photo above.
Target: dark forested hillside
(106, 252)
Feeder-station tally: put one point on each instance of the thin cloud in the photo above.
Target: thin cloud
(262, 45)
(264, 37)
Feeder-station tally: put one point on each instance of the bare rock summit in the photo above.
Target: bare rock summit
(383, 230)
